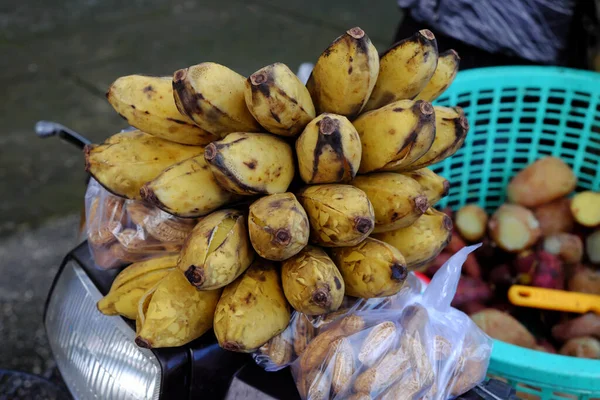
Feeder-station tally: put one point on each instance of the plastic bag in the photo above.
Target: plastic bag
(122, 231)
(411, 345)
(532, 29)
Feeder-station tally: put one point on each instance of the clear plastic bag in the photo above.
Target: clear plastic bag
(122, 231)
(412, 345)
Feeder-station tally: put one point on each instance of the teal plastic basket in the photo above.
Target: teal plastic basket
(518, 115)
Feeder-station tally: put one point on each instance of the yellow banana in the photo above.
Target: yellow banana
(397, 199)
(252, 309)
(434, 186)
(328, 150)
(443, 76)
(186, 189)
(217, 250)
(127, 160)
(251, 163)
(345, 74)
(147, 103)
(311, 282)
(278, 226)
(405, 69)
(422, 241)
(371, 268)
(451, 127)
(131, 284)
(339, 215)
(395, 135)
(278, 100)
(174, 313)
(212, 95)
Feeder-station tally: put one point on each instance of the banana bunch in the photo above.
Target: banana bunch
(279, 171)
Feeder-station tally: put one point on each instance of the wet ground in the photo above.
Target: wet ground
(58, 58)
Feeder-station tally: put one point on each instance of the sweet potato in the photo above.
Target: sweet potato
(514, 228)
(585, 325)
(585, 280)
(585, 207)
(503, 327)
(500, 276)
(472, 308)
(471, 222)
(555, 217)
(525, 265)
(471, 290)
(545, 346)
(547, 179)
(583, 347)
(568, 247)
(549, 272)
(471, 266)
(592, 247)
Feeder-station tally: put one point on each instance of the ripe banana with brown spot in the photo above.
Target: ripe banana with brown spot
(278, 226)
(278, 100)
(328, 150)
(434, 186)
(405, 69)
(451, 128)
(213, 96)
(186, 189)
(217, 250)
(339, 215)
(147, 103)
(398, 200)
(395, 135)
(251, 163)
(131, 284)
(127, 160)
(345, 74)
(311, 282)
(422, 241)
(442, 78)
(174, 313)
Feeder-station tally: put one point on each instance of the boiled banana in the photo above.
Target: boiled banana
(395, 135)
(422, 241)
(397, 199)
(186, 189)
(131, 284)
(311, 282)
(371, 268)
(251, 163)
(212, 95)
(174, 313)
(147, 103)
(405, 69)
(434, 186)
(328, 150)
(278, 100)
(217, 250)
(339, 215)
(443, 76)
(451, 127)
(127, 160)
(278, 226)
(252, 309)
(345, 74)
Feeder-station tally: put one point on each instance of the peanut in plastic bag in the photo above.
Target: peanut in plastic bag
(412, 345)
(123, 231)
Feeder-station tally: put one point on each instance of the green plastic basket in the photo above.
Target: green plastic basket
(517, 115)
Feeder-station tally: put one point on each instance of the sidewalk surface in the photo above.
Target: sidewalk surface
(58, 59)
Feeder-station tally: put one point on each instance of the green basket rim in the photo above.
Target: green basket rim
(502, 72)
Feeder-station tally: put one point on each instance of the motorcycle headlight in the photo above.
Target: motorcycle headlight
(96, 353)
